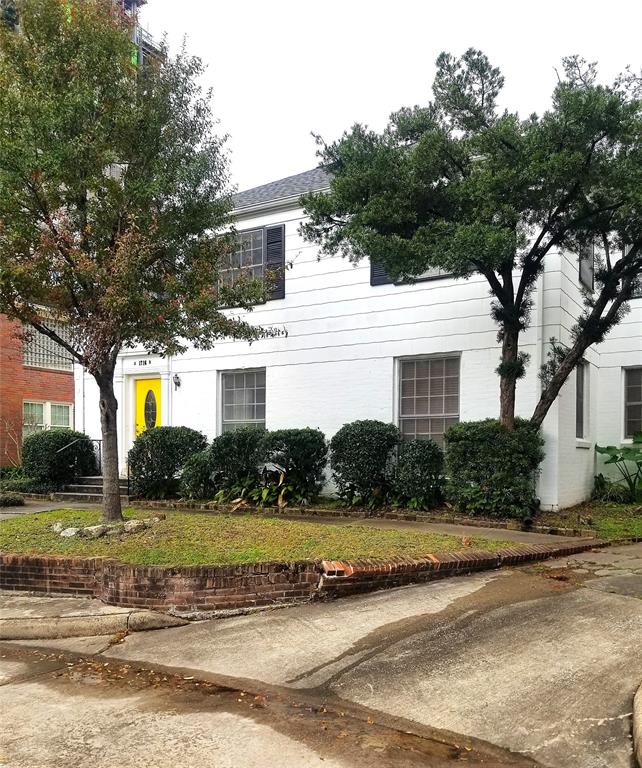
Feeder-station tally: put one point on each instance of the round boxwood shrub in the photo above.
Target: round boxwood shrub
(236, 456)
(157, 457)
(57, 457)
(26, 485)
(197, 477)
(491, 469)
(360, 455)
(301, 455)
(417, 475)
(11, 499)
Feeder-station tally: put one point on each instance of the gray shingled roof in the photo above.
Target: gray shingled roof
(307, 181)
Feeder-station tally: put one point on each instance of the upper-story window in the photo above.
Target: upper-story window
(247, 260)
(379, 276)
(39, 351)
(637, 291)
(260, 254)
(587, 265)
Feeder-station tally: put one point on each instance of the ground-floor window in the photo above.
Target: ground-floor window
(581, 400)
(428, 397)
(632, 401)
(243, 399)
(40, 415)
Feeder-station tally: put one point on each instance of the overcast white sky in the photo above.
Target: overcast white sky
(281, 69)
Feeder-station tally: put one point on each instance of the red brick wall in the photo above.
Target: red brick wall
(203, 588)
(18, 383)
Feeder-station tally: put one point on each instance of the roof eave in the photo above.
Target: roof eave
(269, 206)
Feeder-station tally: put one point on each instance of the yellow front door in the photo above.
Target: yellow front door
(148, 404)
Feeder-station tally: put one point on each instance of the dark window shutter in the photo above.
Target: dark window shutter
(587, 265)
(275, 260)
(378, 275)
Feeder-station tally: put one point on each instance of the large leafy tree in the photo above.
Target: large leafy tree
(113, 187)
(460, 185)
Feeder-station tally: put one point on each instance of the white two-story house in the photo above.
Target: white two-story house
(360, 347)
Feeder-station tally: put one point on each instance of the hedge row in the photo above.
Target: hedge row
(491, 470)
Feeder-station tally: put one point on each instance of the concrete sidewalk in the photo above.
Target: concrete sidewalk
(33, 507)
(453, 529)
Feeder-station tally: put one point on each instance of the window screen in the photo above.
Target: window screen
(243, 399)
(429, 397)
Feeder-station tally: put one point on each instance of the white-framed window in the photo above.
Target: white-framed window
(248, 259)
(428, 397)
(38, 415)
(39, 351)
(582, 400)
(243, 399)
(632, 401)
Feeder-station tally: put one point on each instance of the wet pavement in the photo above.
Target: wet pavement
(89, 711)
(543, 660)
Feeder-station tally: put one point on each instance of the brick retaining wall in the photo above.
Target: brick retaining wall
(156, 587)
(356, 576)
(215, 588)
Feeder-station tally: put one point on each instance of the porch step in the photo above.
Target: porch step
(97, 480)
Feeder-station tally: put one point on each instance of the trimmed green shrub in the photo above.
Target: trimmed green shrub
(197, 477)
(236, 457)
(300, 455)
(417, 475)
(11, 500)
(491, 469)
(360, 455)
(57, 457)
(157, 458)
(26, 485)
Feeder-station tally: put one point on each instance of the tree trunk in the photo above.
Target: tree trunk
(108, 410)
(508, 372)
(565, 369)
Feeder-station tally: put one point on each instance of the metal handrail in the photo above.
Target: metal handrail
(99, 446)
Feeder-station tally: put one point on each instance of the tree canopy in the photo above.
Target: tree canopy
(460, 185)
(114, 193)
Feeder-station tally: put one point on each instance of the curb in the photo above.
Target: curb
(637, 726)
(58, 627)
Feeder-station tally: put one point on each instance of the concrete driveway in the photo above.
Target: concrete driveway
(541, 660)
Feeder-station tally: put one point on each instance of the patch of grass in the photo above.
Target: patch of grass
(199, 539)
(608, 519)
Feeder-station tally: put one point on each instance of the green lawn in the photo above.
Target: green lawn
(608, 520)
(200, 539)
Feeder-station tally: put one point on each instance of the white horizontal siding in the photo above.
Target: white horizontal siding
(338, 361)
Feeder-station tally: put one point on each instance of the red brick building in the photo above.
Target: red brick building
(36, 388)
